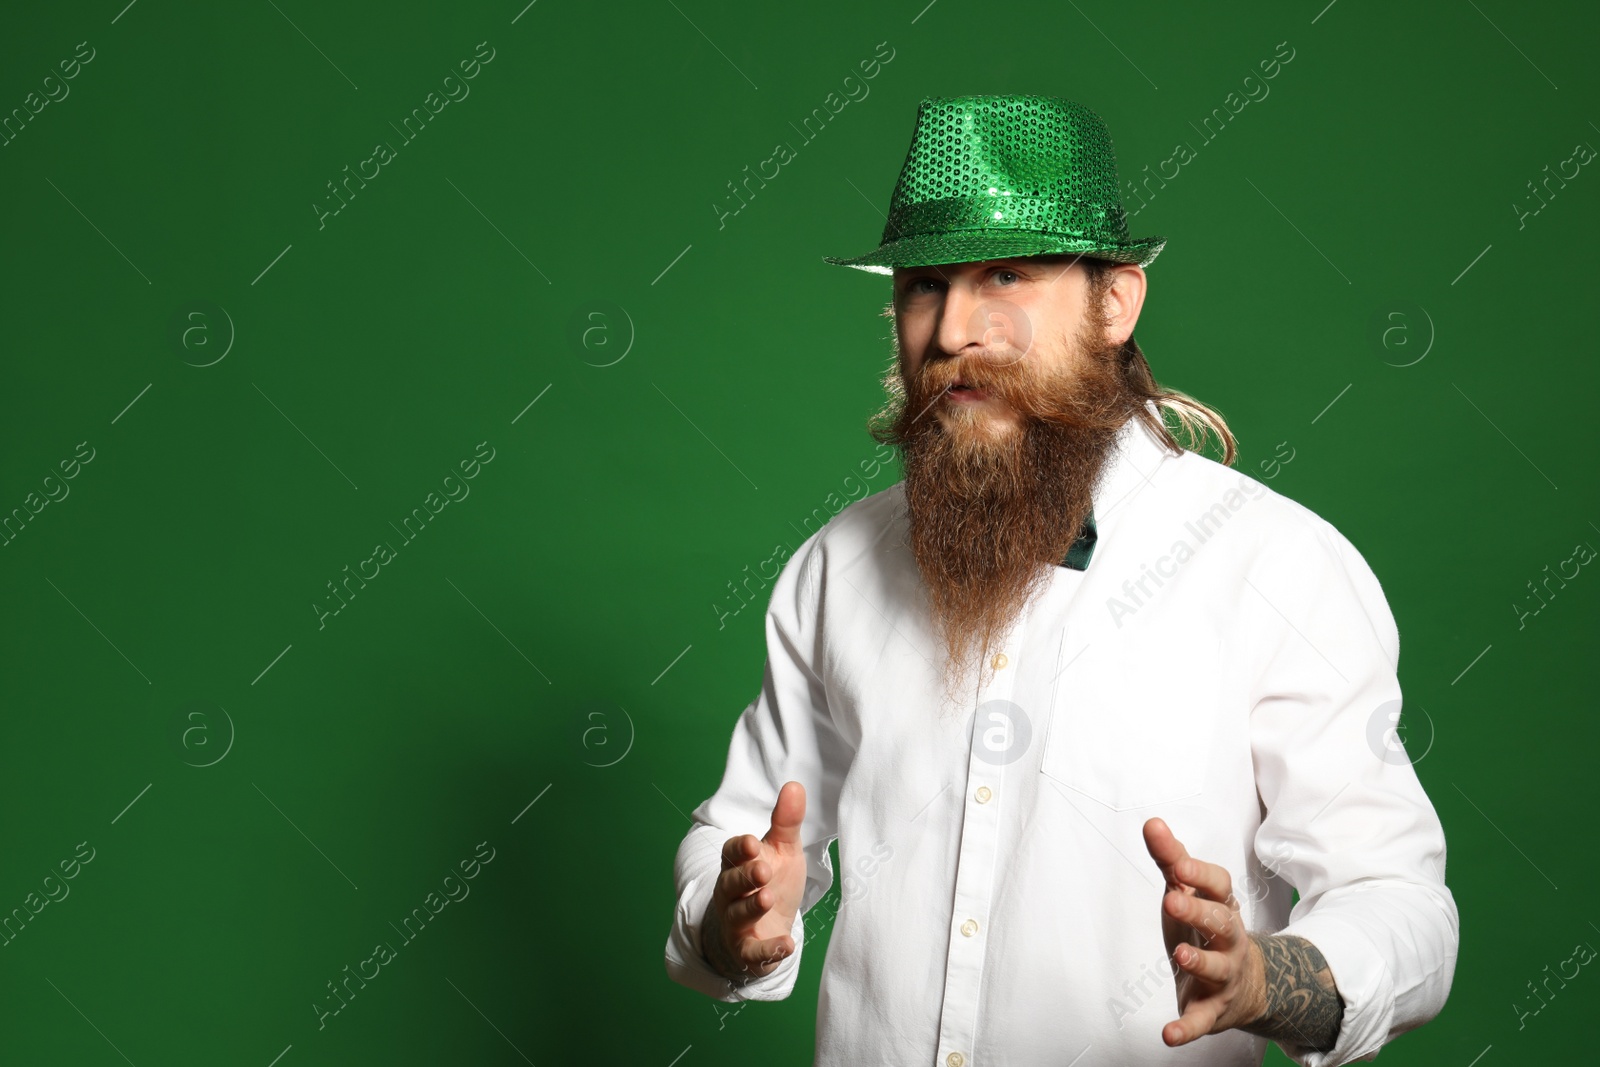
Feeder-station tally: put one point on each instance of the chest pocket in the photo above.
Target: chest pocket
(1133, 715)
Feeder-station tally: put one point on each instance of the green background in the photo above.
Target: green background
(554, 665)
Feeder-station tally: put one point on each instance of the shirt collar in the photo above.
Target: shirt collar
(1135, 455)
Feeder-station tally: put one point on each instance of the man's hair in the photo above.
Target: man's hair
(1195, 418)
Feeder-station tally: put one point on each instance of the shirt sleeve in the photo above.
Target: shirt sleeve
(1346, 820)
(786, 734)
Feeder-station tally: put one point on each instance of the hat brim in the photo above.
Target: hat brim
(933, 249)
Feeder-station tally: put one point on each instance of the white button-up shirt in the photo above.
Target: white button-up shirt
(1226, 661)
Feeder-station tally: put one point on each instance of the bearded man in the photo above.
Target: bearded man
(1018, 686)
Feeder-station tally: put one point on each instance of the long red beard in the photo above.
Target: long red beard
(992, 514)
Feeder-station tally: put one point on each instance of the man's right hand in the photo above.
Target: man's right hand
(757, 895)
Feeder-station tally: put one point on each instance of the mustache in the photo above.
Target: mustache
(1005, 377)
(1025, 385)
(983, 372)
(1081, 391)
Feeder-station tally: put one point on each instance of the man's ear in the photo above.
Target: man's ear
(1124, 300)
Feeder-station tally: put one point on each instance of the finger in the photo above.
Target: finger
(1217, 923)
(1212, 880)
(1211, 966)
(740, 881)
(738, 849)
(1196, 1021)
(747, 910)
(1164, 848)
(758, 956)
(787, 815)
(741, 874)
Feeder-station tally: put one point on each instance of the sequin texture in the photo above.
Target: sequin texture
(1011, 175)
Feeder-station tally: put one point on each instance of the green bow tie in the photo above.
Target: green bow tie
(1083, 548)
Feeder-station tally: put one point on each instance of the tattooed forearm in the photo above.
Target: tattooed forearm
(1303, 1005)
(715, 951)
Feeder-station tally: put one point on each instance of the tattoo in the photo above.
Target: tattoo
(715, 952)
(1303, 1004)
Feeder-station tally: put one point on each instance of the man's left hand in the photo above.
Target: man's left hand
(1221, 976)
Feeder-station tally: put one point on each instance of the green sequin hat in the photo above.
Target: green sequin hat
(991, 177)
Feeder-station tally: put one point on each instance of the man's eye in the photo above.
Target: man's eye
(1006, 274)
(914, 287)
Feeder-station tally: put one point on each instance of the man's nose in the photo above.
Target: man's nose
(970, 321)
(959, 324)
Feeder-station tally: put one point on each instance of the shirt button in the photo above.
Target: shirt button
(999, 661)
(955, 1059)
(969, 927)
(984, 794)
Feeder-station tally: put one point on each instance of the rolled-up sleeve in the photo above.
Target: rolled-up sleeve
(785, 734)
(1347, 822)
